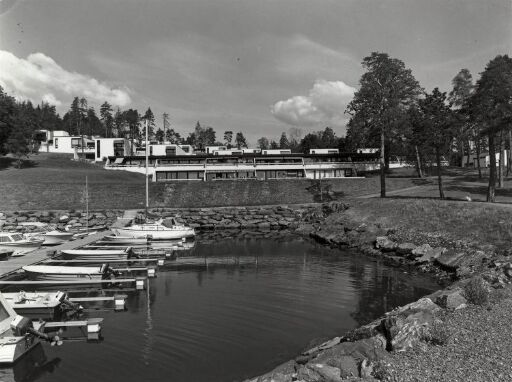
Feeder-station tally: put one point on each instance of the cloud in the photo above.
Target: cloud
(323, 106)
(39, 77)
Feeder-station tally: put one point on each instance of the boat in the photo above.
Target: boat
(17, 334)
(98, 254)
(18, 243)
(115, 239)
(67, 273)
(52, 237)
(40, 305)
(161, 229)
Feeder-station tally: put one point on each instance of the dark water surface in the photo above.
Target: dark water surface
(230, 322)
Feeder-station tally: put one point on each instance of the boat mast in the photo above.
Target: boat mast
(147, 184)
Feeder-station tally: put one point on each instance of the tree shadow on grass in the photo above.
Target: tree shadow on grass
(9, 162)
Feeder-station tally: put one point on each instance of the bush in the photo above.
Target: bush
(476, 291)
(437, 334)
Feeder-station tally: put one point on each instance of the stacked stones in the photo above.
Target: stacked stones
(272, 217)
(60, 219)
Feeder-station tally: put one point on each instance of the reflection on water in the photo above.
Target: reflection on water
(31, 367)
(233, 307)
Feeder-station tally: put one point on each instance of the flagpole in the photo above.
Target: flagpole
(86, 206)
(147, 184)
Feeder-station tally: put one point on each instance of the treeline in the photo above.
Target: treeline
(393, 112)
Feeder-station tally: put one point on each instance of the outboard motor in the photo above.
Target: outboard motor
(22, 326)
(107, 272)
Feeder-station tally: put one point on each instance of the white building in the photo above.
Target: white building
(212, 149)
(485, 159)
(324, 151)
(110, 147)
(276, 151)
(167, 149)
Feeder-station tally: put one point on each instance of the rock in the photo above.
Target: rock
(328, 373)
(430, 255)
(282, 373)
(421, 250)
(405, 248)
(64, 218)
(385, 244)
(452, 299)
(450, 259)
(365, 369)
(20, 219)
(323, 346)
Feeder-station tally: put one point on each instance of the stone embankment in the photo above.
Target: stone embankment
(217, 218)
(20, 221)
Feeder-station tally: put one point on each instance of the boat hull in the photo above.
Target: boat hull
(13, 348)
(154, 235)
(62, 273)
(99, 255)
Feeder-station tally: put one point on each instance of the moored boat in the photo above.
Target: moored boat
(98, 254)
(40, 305)
(52, 237)
(161, 229)
(67, 273)
(18, 243)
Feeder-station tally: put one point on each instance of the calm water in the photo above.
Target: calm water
(230, 322)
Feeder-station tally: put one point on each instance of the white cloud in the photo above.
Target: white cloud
(323, 106)
(39, 77)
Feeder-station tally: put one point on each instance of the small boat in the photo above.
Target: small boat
(17, 334)
(18, 243)
(98, 254)
(67, 273)
(51, 237)
(40, 305)
(127, 240)
(167, 229)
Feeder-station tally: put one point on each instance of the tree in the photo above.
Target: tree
(387, 90)
(434, 128)
(106, 118)
(240, 140)
(294, 137)
(7, 118)
(283, 141)
(311, 141)
(132, 120)
(491, 107)
(173, 137)
(263, 143)
(273, 145)
(148, 116)
(228, 138)
(329, 139)
(462, 88)
(159, 135)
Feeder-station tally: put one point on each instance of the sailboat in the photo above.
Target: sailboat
(167, 229)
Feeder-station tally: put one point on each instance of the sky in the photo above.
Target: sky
(260, 66)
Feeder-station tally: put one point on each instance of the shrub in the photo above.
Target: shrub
(476, 291)
(437, 333)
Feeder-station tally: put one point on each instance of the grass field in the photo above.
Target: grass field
(54, 181)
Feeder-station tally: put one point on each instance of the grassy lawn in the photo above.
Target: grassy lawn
(481, 223)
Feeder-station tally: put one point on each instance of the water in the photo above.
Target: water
(230, 322)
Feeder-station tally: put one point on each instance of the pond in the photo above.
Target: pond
(260, 302)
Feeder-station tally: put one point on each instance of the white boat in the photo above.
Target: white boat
(18, 243)
(114, 239)
(158, 230)
(97, 254)
(39, 305)
(17, 335)
(67, 273)
(51, 237)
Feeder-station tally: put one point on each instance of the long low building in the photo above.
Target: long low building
(208, 167)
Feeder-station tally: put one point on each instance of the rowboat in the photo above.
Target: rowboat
(17, 243)
(40, 305)
(66, 273)
(126, 240)
(17, 334)
(51, 237)
(167, 229)
(98, 254)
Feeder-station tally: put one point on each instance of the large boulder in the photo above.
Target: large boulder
(405, 249)
(385, 244)
(451, 259)
(430, 255)
(452, 299)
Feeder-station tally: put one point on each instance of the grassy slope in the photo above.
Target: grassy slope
(53, 181)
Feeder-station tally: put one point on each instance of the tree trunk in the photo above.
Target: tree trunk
(469, 153)
(382, 166)
(439, 174)
(501, 162)
(509, 153)
(418, 162)
(478, 157)
(491, 189)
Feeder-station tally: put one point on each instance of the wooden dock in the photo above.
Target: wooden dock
(14, 263)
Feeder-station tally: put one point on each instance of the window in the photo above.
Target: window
(56, 143)
(98, 148)
(185, 149)
(170, 150)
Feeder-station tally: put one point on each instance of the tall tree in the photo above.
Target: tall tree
(491, 105)
(132, 119)
(149, 116)
(263, 143)
(119, 124)
(283, 141)
(159, 135)
(435, 128)
(106, 118)
(240, 140)
(7, 118)
(228, 138)
(173, 137)
(462, 88)
(387, 90)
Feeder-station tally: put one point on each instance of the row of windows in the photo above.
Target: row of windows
(180, 175)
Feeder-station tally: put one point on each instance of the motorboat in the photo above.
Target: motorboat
(98, 254)
(18, 243)
(54, 237)
(167, 229)
(67, 273)
(17, 334)
(40, 305)
(115, 239)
